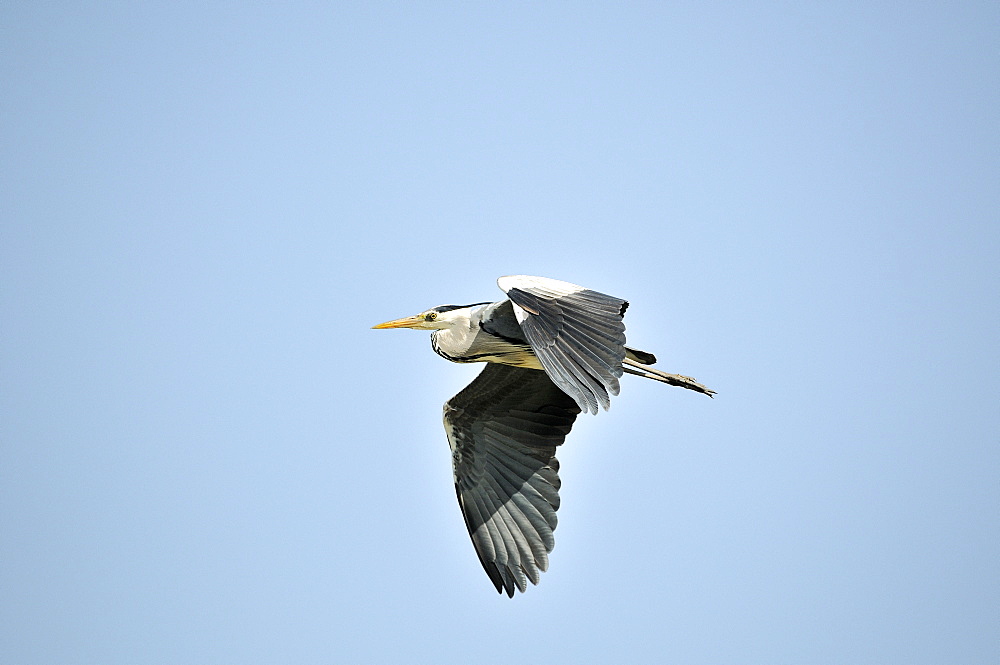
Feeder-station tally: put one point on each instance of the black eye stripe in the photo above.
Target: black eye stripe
(448, 308)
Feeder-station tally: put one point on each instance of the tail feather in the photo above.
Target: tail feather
(632, 366)
(640, 356)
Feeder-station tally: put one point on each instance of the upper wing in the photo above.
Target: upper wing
(577, 334)
(503, 429)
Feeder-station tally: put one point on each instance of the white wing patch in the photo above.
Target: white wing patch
(543, 285)
(552, 288)
(520, 313)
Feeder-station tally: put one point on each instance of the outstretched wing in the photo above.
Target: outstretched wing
(577, 334)
(503, 429)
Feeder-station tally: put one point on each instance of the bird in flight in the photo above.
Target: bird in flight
(552, 350)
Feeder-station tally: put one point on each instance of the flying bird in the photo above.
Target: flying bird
(552, 350)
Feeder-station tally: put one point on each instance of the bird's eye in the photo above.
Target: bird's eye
(431, 316)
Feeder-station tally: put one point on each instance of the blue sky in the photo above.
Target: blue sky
(206, 455)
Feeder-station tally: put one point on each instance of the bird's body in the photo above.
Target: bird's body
(552, 349)
(485, 332)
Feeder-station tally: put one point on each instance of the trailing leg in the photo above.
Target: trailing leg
(638, 369)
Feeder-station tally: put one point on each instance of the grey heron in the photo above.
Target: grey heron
(553, 350)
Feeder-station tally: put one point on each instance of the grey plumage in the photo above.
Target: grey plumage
(503, 429)
(578, 336)
(553, 350)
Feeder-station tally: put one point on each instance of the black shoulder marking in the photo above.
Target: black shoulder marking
(503, 324)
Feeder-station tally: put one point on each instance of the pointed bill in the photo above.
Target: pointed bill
(407, 322)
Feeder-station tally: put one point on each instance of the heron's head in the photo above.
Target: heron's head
(436, 318)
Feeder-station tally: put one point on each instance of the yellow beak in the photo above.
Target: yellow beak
(408, 322)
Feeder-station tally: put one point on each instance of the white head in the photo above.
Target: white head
(443, 317)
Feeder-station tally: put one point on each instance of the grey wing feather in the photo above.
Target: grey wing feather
(503, 429)
(577, 334)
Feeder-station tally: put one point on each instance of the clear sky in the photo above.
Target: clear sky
(207, 456)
